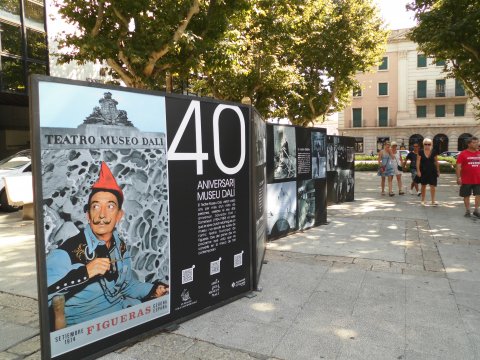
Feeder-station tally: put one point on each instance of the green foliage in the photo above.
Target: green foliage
(450, 30)
(365, 157)
(366, 166)
(445, 168)
(295, 59)
(144, 41)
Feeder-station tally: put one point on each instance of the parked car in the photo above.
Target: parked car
(450, 153)
(18, 163)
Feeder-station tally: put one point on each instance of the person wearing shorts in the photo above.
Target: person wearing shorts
(468, 175)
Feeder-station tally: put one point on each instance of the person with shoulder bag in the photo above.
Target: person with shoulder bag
(385, 168)
(398, 170)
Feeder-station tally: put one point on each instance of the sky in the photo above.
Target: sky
(395, 14)
(65, 105)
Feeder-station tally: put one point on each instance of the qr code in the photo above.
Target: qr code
(187, 275)
(215, 266)
(238, 259)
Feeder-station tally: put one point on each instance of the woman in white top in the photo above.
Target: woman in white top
(397, 165)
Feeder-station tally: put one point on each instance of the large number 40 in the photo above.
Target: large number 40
(199, 156)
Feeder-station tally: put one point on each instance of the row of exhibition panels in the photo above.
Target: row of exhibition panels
(205, 185)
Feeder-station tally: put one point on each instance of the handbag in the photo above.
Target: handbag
(399, 168)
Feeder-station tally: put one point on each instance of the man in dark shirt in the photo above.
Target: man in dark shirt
(412, 156)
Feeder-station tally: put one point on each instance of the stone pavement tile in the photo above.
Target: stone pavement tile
(425, 282)
(380, 309)
(27, 347)
(168, 340)
(475, 341)
(276, 307)
(398, 267)
(414, 267)
(470, 318)
(142, 351)
(387, 267)
(19, 316)
(7, 356)
(365, 350)
(339, 286)
(291, 275)
(381, 281)
(121, 356)
(468, 301)
(243, 335)
(377, 331)
(347, 273)
(466, 286)
(35, 356)
(19, 302)
(327, 302)
(444, 343)
(443, 300)
(317, 317)
(416, 355)
(11, 334)
(442, 318)
(174, 346)
(300, 344)
(435, 266)
(204, 350)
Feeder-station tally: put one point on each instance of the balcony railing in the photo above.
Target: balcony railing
(439, 94)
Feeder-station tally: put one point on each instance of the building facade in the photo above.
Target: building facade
(23, 51)
(408, 98)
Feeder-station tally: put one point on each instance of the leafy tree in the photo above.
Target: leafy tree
(144, 42)
(295, 59)
(450, 30)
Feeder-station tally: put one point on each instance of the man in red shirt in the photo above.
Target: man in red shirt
(468, 175)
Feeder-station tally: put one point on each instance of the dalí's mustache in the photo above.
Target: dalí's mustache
(103, 221)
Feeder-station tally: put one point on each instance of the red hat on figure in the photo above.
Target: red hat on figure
(106, 182)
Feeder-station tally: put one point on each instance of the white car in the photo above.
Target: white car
(19, 163)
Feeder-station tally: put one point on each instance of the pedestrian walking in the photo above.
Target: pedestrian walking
(412, 156)
(428, 170)
(397, 168)
(468, 175)
(385, 168)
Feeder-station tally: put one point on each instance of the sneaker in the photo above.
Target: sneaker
(467, 213)
(422, 203)
(434, 203)
(476, 213)
(419, 193)
(412, 192)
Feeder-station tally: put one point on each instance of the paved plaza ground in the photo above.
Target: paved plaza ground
(385, 279)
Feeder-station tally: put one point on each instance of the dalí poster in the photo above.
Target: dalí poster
(142, 204)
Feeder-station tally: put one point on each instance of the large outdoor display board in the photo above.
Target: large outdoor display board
(296, 177)
(142, 211)
(259, 190)
(340, 169)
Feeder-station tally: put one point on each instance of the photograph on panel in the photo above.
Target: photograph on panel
(306, 204)
(319, 155)
(260, 138)
(285, 152)
(282, 208)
